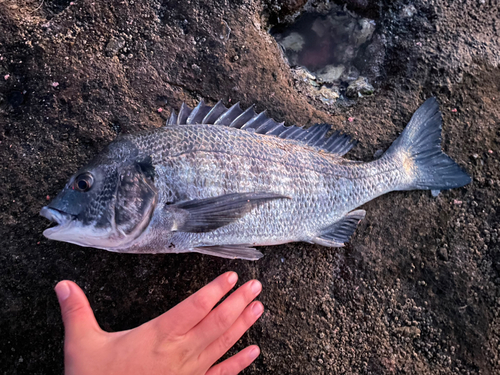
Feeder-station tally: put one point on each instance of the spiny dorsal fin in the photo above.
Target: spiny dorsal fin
(215, 113)
(228, 117)
(173, 119)
(338, 144)
(198, 113)
(183, 114)
(242, 119)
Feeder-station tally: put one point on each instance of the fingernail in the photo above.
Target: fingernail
(257, 309)
(232, 278)
(256, 287)
(62, 291)
(254, 353)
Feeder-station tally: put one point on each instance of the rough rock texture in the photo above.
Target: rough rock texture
(417, 290)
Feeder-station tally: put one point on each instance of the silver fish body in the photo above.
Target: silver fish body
(238, 181)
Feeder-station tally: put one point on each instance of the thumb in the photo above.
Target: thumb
(77, 314)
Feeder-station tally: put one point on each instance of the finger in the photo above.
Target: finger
(236, 363)
(187, 314)
(220, 346)
(224, 315)
(77, 314)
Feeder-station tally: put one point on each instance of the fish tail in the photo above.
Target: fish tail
(419, 148)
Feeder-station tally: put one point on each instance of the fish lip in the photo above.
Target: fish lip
(62, 219)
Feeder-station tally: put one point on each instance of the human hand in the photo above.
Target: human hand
(187, 339)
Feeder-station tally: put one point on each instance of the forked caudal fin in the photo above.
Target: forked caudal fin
(420, 146)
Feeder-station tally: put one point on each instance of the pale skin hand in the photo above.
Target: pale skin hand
(187, 339)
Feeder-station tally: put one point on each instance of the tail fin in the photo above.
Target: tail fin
(420, 143)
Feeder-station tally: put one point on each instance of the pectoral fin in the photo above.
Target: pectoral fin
(231, 251)
(339, 233)
(205, 215)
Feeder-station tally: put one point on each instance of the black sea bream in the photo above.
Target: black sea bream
(219, 181)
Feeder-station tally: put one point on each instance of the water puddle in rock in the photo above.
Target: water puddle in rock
(333, 52)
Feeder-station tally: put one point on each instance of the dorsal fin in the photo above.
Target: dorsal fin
(228, 117)
(338, 144)
(173, 119)
(242, 119)
(183, 114)
(215, 113)
(198, 113)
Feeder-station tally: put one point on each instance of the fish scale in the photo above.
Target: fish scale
(220, 180)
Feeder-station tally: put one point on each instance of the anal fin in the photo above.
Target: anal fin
(231, 251)
(337, 234)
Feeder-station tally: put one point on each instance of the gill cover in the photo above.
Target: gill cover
(136, 198)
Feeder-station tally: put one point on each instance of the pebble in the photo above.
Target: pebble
(114, 45)
(359, 87)
(196, 68)
(408, 11)
(443, 253)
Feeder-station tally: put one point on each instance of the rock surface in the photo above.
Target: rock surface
(418, 288)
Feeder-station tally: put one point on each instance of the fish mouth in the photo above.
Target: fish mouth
(62, 220)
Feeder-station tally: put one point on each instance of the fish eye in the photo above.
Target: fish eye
(83, 182)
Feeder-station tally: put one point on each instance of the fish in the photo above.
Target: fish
(220, 181)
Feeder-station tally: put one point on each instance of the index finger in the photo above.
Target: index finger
(183, 317)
